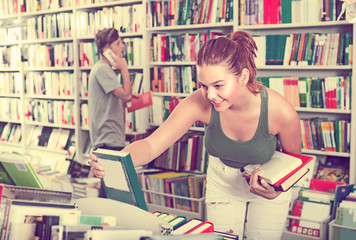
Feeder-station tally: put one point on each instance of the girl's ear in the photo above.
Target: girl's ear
(245, 75)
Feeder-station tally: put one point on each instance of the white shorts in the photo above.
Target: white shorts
(229, 201)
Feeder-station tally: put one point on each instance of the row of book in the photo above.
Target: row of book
(162, 108)
(310, 92)
(49, 83)
(135, 77)
(48, 26)
(13, 7)
(180, 79)
(48, 111)
(254, 12)
(181, 47)
(136, 121)
(174, 12)
(186, 154)
(88, 54)
(303, 49)
(10, 109)
(10, 83)
(11, 57)
(10, 34)
(56, 55)
(323, 134)
(10, 132)
(179, 190)
(125, 18)
(51, 138)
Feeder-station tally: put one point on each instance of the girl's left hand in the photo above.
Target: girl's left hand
(262, 188)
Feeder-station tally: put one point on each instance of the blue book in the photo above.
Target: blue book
(120, 181)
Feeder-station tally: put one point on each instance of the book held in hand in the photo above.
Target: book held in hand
(283, 170)
(120, 181)
(140, 101)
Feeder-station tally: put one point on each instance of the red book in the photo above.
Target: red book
(205, 227)
(323, 185)
(141, 101)
(283, 170)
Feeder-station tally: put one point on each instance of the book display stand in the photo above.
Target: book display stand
(128, 216)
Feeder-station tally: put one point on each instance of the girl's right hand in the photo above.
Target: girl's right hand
(96, 168)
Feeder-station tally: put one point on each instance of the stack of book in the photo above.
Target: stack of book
(85, 187)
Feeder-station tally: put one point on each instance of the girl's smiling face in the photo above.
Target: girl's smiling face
(219, 85)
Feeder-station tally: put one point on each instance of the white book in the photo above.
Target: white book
(53, 138)
(276, 168)
(63, 138)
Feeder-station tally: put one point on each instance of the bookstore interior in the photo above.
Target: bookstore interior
(47, 50)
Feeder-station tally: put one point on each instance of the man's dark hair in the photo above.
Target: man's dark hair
(105, 37)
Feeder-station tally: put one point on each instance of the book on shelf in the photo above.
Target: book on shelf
(18, 168)
(312, 215)
(341, 193)
(120, 181)
(140, 101)
(320, 196)
(283, 170)
(331, 173)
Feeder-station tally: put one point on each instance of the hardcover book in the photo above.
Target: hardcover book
(140, 101)
(283, 171)
(120, 181)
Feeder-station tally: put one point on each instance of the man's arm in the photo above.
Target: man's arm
(123, 92)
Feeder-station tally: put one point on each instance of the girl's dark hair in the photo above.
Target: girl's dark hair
(105, 37)
(237, 51)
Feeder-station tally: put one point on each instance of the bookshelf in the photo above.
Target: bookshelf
(47, 66)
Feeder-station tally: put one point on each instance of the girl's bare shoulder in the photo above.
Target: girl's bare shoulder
(278, 104)
(199, 104)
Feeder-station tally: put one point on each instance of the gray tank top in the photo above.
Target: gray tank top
(259, 149)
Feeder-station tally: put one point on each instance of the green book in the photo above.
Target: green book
(286, 11)
(5, 177)
(120, 181)
(20, 170)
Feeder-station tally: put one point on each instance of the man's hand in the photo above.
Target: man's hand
(262, 188)
(121, 63)
(96, 168)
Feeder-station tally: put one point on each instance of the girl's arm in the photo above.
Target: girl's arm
(187, 112)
